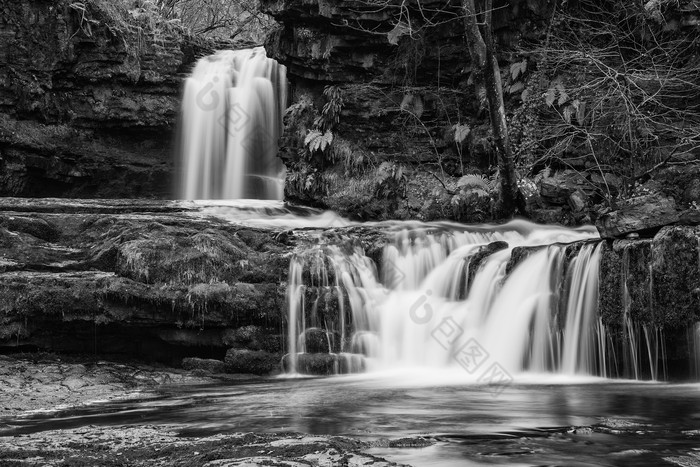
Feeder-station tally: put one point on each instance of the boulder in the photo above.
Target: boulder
(315, 340)
(642, 214)
(253, 338)
(557, 189)
(321, 364)
(256, 362)
(578, 201)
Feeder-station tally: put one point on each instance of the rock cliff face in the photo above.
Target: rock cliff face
(406, 98)
(400, 101)
(88, 99)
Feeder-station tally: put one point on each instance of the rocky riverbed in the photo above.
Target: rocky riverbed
(161, 446)
(46, 382)
(33, 383)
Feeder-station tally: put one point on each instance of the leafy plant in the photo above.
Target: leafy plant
(330, 115)
(461, 132)
(317, 141)
(476, 181)
(320, 137)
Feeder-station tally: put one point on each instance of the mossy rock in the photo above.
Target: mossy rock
(320, 364)
(251, 361)
(203, 364)
(676, 268)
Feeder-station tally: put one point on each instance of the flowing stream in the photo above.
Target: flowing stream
(483, 303)
(589, 422)
(485, 340)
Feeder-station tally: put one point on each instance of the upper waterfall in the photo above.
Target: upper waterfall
(231, 123)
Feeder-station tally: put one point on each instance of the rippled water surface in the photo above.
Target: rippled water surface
(550, 422)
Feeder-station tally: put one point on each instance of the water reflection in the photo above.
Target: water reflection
(636, 424)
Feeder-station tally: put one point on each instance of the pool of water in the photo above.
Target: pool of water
(581, 422)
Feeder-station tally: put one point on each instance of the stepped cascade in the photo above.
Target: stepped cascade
(231, 123)
(442, 296)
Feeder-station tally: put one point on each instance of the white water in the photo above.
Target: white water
(427, 311)
(231, 123)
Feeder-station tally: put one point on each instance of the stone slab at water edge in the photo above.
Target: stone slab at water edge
(158, 279)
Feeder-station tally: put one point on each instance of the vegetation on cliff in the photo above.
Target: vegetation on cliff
(602, 92)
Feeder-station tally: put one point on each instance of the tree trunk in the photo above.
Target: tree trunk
(487, 76)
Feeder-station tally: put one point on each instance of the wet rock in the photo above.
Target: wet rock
(690, 217)
(147, 445)
(642, 214)
(676, 267)
(205, 364)
(313, 364)
(86, 276)
(478, 258)
(520, 254)
(34, 226)
(558, 188)
(251, 361)
(578, 201)
(625, 283)
(315, 340)
(253, 338)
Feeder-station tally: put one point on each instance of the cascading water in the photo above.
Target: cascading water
(231, 123)
(454, 299)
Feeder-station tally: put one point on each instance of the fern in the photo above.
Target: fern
(317, 141)
(475, 181)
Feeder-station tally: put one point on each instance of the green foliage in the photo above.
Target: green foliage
(353, 159)
(137, 23)
(317, 141)
(517, 69)
(320, 137)
(330, 114)
(461, 132)
(307, 181)
(477, 181)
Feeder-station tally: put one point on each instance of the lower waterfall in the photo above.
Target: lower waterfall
(490, 303)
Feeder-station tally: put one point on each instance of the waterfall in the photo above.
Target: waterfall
(445, 297)
(231, 123)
